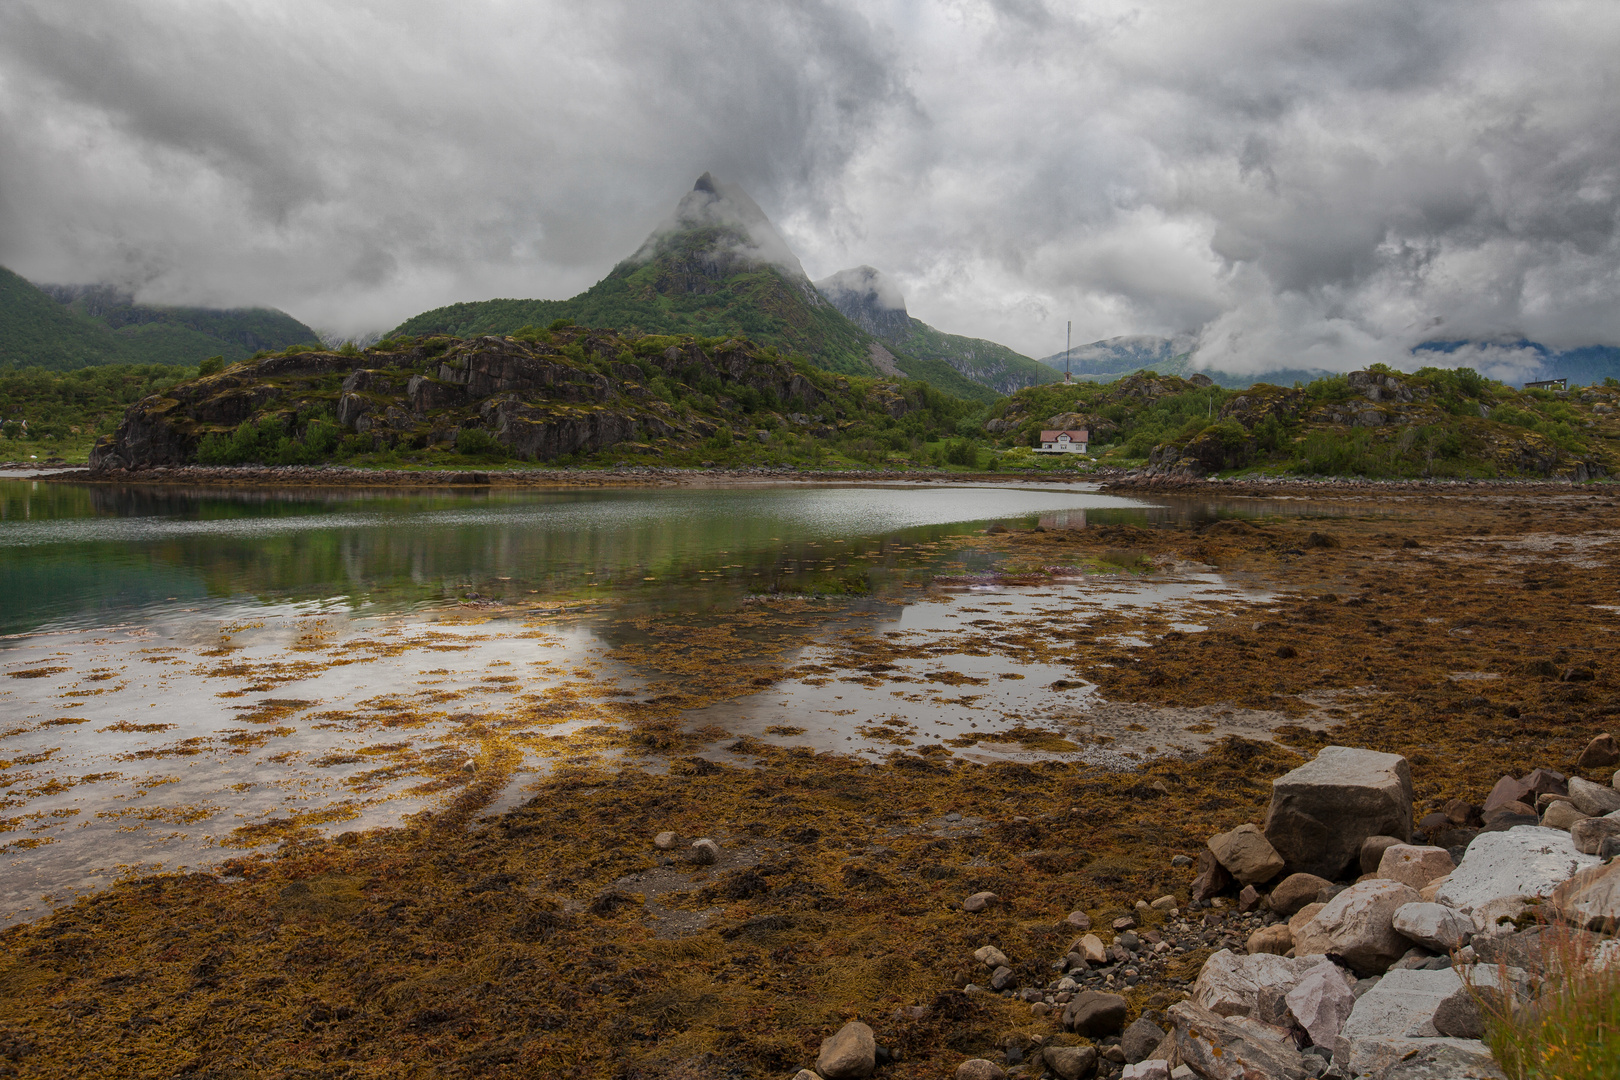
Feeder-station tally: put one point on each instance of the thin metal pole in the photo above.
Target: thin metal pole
(1068, 338)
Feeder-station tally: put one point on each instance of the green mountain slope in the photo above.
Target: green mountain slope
(66, 327)
(719, 269)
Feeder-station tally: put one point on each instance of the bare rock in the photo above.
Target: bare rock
(1434, 926)
(1592, 799)
(1562, 814)
(1357, 926)
(1295, 891)
(979, 901)
(1164, 903)
(1070, 1062)
(1321, 1002)
(980, 1069)
(1524, 861)
(1600, 753)
(1591, 898)
(1003, 978)
(1229, 984)
(1247, 855)
(1232, 1048)
(1543, 782)
(851, 1054)
(1414, 866)
(1401, 1006)
(1299, 919)
(1095, 1015)
(1091, 949)
(1079, 920)
(1373, 848)
(1485, 989)
(705, 852)
(1507, 790)
(1386, 1058)
(1212, 879)
(1146, 1070)
(1141, 1039)
(1588, 833)
(667, 841)
(990, 956)
(1322, 811)
(1276, 939)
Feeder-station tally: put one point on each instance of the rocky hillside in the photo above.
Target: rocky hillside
(540, 396)
(871, 300)
(1377, 423)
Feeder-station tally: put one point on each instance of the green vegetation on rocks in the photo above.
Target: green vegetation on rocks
(1378, 423)
(563, 395)
(52, 414)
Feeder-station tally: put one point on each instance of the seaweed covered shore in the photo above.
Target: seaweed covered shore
(1468, 631)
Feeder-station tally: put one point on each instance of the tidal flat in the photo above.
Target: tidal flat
(353, 800)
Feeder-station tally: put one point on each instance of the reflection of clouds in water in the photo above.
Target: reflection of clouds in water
(819, 511)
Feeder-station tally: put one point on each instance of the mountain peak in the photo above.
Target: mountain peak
(745, 234)
(870, 299)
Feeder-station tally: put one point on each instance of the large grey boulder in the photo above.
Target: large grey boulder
(1230, 984)
(1384, 1058)
(1321, 1002)
(1527, 860)
(1095, 1015)
(1070, 1062)
(1588, 834)
(1591, 898)
(851, 1054)
(1322, 811)
(1499, 988)
(1593, 799)
(1434, 926)
(1358, 925)
(1401, 1006)
(1232, 1048)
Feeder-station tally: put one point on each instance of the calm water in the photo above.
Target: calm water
(188, 674)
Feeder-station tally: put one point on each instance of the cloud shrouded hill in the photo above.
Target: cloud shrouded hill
(717, 267)
(66, 327)
(873, 301)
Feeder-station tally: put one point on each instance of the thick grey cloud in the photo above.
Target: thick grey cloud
(1295, 182)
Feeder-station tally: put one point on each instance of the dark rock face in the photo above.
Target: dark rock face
(542, 400)
(867, 298)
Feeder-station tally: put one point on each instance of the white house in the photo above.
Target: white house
(1063, 442)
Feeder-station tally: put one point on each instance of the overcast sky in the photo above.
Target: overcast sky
(1301, 183)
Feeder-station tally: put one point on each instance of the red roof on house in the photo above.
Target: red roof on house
(1074, 434)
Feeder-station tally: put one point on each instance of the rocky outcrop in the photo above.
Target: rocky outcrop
(541, 398)
(1322, 811)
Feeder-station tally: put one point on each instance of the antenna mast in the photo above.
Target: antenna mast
(1068, 337)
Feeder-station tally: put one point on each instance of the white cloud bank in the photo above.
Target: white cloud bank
(1299, 183)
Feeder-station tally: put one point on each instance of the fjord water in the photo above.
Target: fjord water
(83, 555)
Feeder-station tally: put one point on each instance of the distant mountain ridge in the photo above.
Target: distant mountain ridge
(871, 300)
(718, 268)
(66, 327)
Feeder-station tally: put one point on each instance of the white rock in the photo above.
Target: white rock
(1358, 926)
(990, 956)
(1527, 860)
(1591, 799)
(1401, 1006)
(1434, 926)
(1147, 1070)
(1591, 899)
(1321, 1001)
(1413, 865)
(1496, 916)
(1229, 984)
(1384, 1058)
